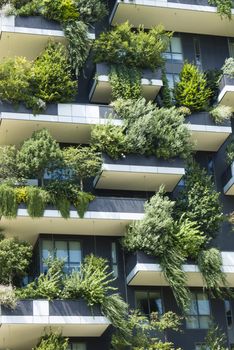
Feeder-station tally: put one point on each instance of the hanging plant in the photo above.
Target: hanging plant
(82, 202)
(224, 7)
(36, 201)
(8, 201)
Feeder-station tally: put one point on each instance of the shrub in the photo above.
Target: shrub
(8, 201)
(36, 201)
(7, 297)
(8, 165)
(212, 78)
(138, 49)
(221, 113)
(192, 90)
(125, 82)
(224, 8)
(215, 339)
(60, 10)
(91, 11)
(15, 257)
(109, 139)
(165, 91)
(228, 67)
(230, 153)
(38, 153)
(199, 201)
(52, 341)
(51, 75)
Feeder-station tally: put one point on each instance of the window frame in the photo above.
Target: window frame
(148, 291)
(114, 262)
(198, 315)
(171, 53)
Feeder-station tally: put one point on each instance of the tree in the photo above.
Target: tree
(192, 90)
(166, 93)
(52, 341)
(37, 154)
(8, 164)
(199, 201)
(83, 162)
(215, 340)
(15, 257)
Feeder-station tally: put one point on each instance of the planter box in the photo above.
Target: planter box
(226, 95)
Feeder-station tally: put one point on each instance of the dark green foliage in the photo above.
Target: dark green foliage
(15, 257)
(165, 91)
(212, 78)
(51, 75)
(215, 339)
(60, 10)
(52, 341)
(210, 264)
(192, 90)
(38, 153)
(91, 11)
(82, 202)
(224, 7)
(37, 199)
(8, 166)
(125, 82)
(8, 201)
(138, 49)
(230, 153)
(199, 201)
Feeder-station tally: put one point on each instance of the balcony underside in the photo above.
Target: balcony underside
(101, 89)
(24, 332)
(94, 223)
(226, 96)
(138, 178)
(175, 17)
(208, 138)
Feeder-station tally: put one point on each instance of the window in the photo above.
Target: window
(148, 302)
(76, 346)
(114, 259)
(174, 50)
(228, 312)
(199, 312)
(231, 47)
(201, 347)
(172, 78)
(197, 50)
(68, 251)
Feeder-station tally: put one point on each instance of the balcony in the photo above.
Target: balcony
(105, 216)
(100, 91)
(22, 328)
(139, 173)
(144, 270)
(228, 180)
(28, 36)
(205, 134)
(226, 95)
(67, 123)
(175, 15)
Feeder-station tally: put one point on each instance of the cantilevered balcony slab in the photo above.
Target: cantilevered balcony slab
(28, 36)
(205, 134)
(143, 270)
(228, 180)
(68, 123)
(100, 92)
(139, 173)
(105, 216)
(22, 328)
(226, 95)
(189, 16)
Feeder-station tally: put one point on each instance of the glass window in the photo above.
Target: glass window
(148, 302)
(231, 47)
(174, 50)
(76, 346)
(172, 78)
(197, 49)
(114, 259)
(228, 311)
(68, 251)
(201, 347)
(199, 312)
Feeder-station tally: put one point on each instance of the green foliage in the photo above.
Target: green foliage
(212, 78)
(82, 202)
(37, 199)
(51, 75)
(109, 139)
(210, 264)
(139, 330)
(83, 162)
(8, 297)
(224, 7)
(125, 82)
(78, 44)
(192, 90)
(38, 153)
(92, 282)
(91, 11)
(221, 113)
(165, 91)
(138, 49)
(228, 67)
(52, 341)
(15, 256)
(30, 8)
(199, 201)
(215, 339)
(116, 310)
(47, 286)
(230, 153)
(8, 165)
(60, 10)
(8, 201)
